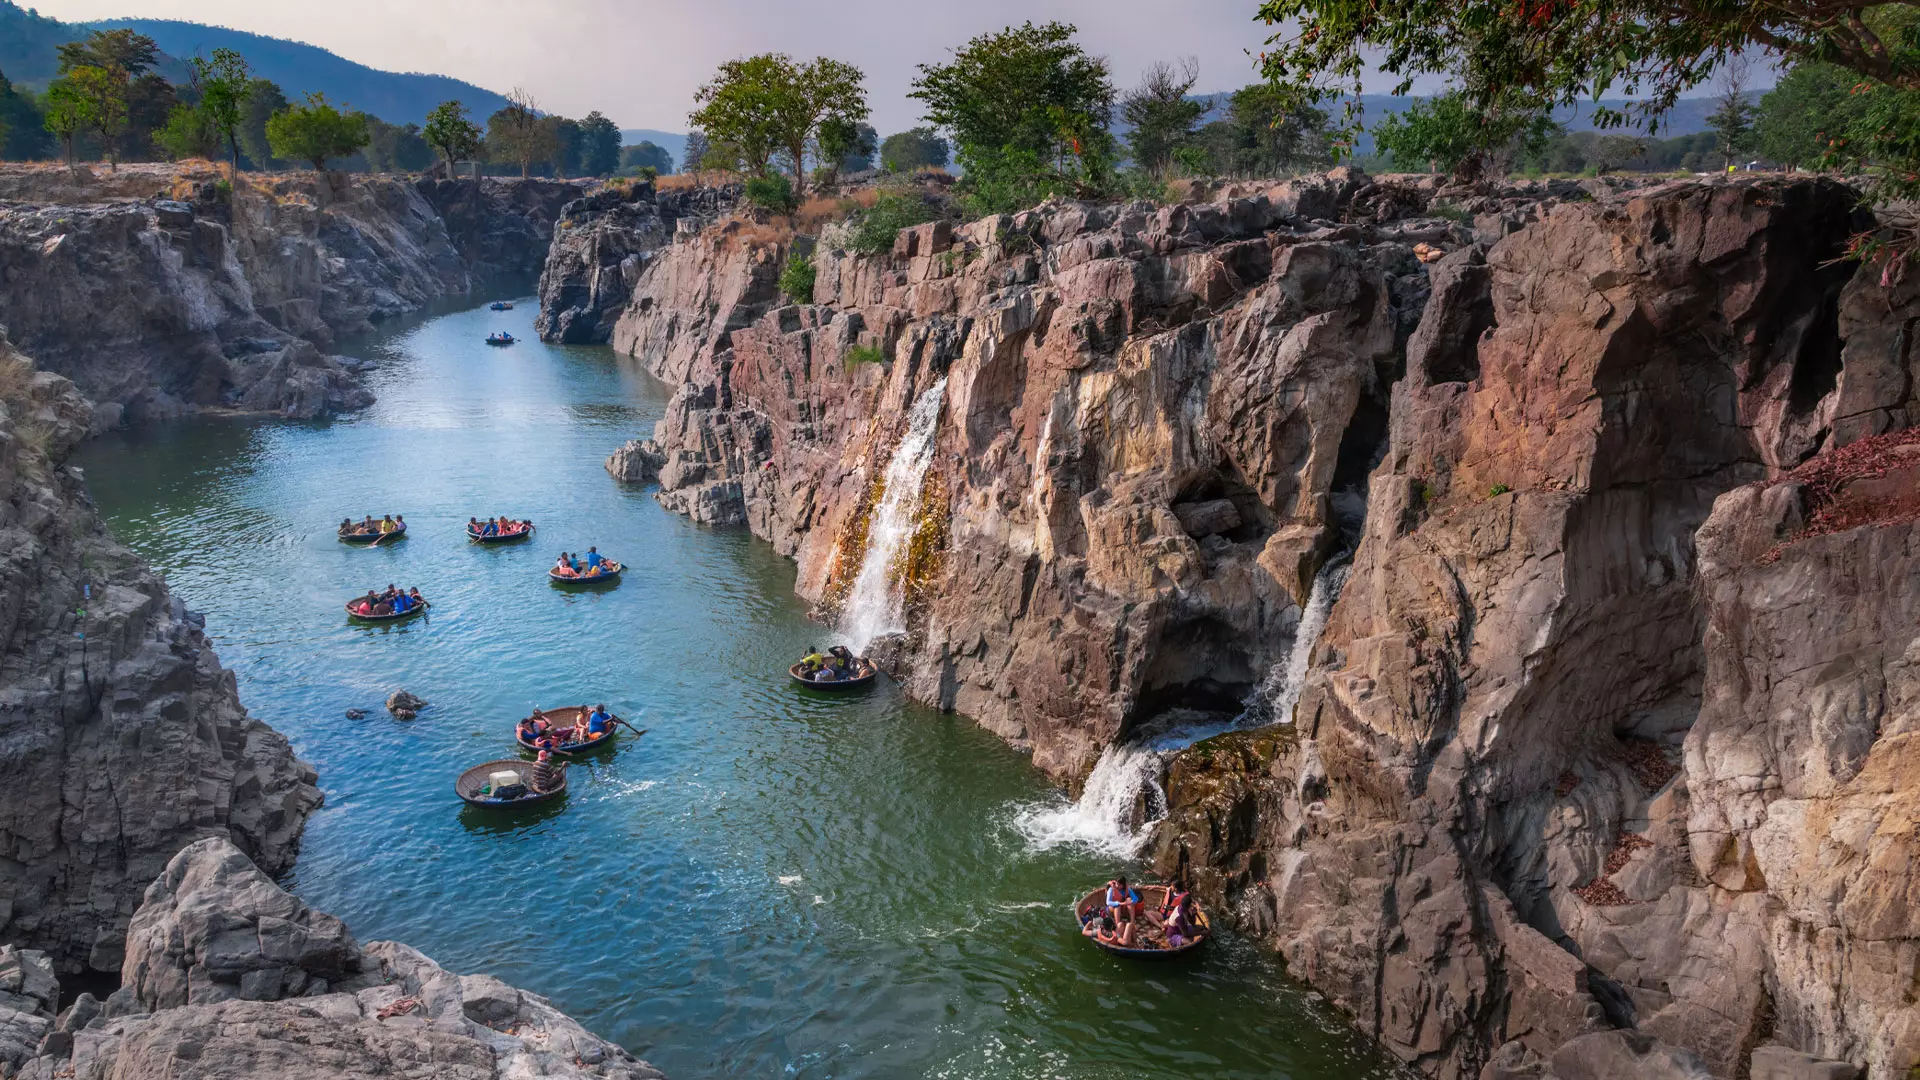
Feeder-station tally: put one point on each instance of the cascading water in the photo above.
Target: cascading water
(875, 606)
(1106, 818)
(1280, 691)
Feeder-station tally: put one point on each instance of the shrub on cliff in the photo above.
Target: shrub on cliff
(796, 281)
(772, 192)
(892, 211)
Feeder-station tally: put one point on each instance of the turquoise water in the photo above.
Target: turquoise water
(770, 883)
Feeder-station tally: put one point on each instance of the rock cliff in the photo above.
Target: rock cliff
(122, 736)
(1604, 731)
(228, 976)
(601, 243)
(167, 290)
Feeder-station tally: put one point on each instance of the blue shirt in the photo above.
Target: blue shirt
(593, 560)
(597, 721)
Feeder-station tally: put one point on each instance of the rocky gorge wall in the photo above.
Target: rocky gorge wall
(1606, 730)
(122, 737)
(161, 290)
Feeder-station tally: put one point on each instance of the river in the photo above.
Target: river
(770, 883)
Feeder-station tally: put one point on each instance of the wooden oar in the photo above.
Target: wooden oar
(637, 731)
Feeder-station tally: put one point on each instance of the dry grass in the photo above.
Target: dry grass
(16, 379)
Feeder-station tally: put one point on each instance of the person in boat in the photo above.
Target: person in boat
(414, 596)
(492, 527)
(346, 526)
(563, 567)
(1120, 895)
(546, 775)
(366, 604)
(401, 603)
(594, 560)
(599, 722)
(524, 732)
(812, 662)
(400, 522)
(1179, 923)
(387, 525)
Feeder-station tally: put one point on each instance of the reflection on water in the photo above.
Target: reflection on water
(770, 883)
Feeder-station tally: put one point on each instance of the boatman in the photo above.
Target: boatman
(594, 560)
(546, 775)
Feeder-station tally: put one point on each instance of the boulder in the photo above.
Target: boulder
(1625, 1055)
(404, 706)
(1780, 1063)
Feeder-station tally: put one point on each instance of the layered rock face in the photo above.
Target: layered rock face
(501, 228)
(1605, 729)
(168, 292)
(226, 975)
(601, 244)
(122, 736)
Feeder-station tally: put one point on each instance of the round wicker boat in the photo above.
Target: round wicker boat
(403, 616)
(501, 538)
(1151, 939)
(867, 673)
(609, 570)
(567, 717)
(472, 787)
(375, 537)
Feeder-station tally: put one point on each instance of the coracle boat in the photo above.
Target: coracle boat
(500, 339)
(419, 609)
(566, 718)
(476, 786)
(501, 538)
(1151, 942)
(609, 570)
(500, 305)
(376, 537)
(866, 672)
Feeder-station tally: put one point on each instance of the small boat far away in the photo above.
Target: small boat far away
(609, 570)
(837, 670)
(504, 530)
(373, 532)
(378, 608)
(500, 305)
(502, 338)
(567, 718)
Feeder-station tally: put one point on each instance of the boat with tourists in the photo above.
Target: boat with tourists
(572, 730)
(391, 605)
(1146, 922)
(500, 305)
(589, 569)
(499, 530)
(372, 531)
(501, 338)
(835, 669)
(503, 785)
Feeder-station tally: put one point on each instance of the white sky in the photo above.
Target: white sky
(639, 61)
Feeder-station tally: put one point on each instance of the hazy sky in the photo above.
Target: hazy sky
(639, 61)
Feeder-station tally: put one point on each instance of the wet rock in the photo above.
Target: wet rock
(404, 706)
(173, 214)
(356, 714)
(636, 462)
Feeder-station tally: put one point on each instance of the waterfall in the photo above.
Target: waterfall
(874, 606)
(1280, 691)
(1103, 819)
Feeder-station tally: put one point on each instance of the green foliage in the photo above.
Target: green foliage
(454, 137)
(314, 130)
(845, 145)
(394, 148)
(224, 82)
(264, 98)
(126, 49)
(918, 148)
(865, 354)
(517, 135)
(600, 146)
(771, 191)
(563, 157)
(1029, 112)
(695, 151)
(66, 113)
(796, 280)
(1497, 490)
(645, 155)
(1808, 105)
(1162, 116)
(768, 104)
(188, 133)
(103, 94)
(23, 130)
(877, 228)
(1447, 133)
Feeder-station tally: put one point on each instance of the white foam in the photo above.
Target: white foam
(1102, 820)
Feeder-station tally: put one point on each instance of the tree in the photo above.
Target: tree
(845, 145)
(1447, 134)
(766, 104)
(104, 93)
(564, 156)
(23, 129)
(131, 52)
(515, 134)
(1808, 105)
(264, 99)
(150, 100)
(6, 112)
(1276, 135)
(695, 152)
(600, 146)
(1028, 110)
(224, 81)
(645, 155)
(314, 130)
(1161, 114)
(188, 133)
(394, 148)
(451, 134)
(1732, 119)
(66, 113)
(917, 148)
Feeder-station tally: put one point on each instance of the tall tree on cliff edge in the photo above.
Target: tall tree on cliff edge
(767, 104)
(517, 136)
(1509, 55)
(1161, 114)
(224, 81)
(1028, 110)
(137, 108)
(693, 157)
(314, 130)
(452, 135)
(105, 91)
(66, 114)
(599, 145)
(264, 98)
(1732, 121)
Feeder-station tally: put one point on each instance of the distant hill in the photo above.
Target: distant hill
(302, 69)
(28, 44)
(674, 143)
